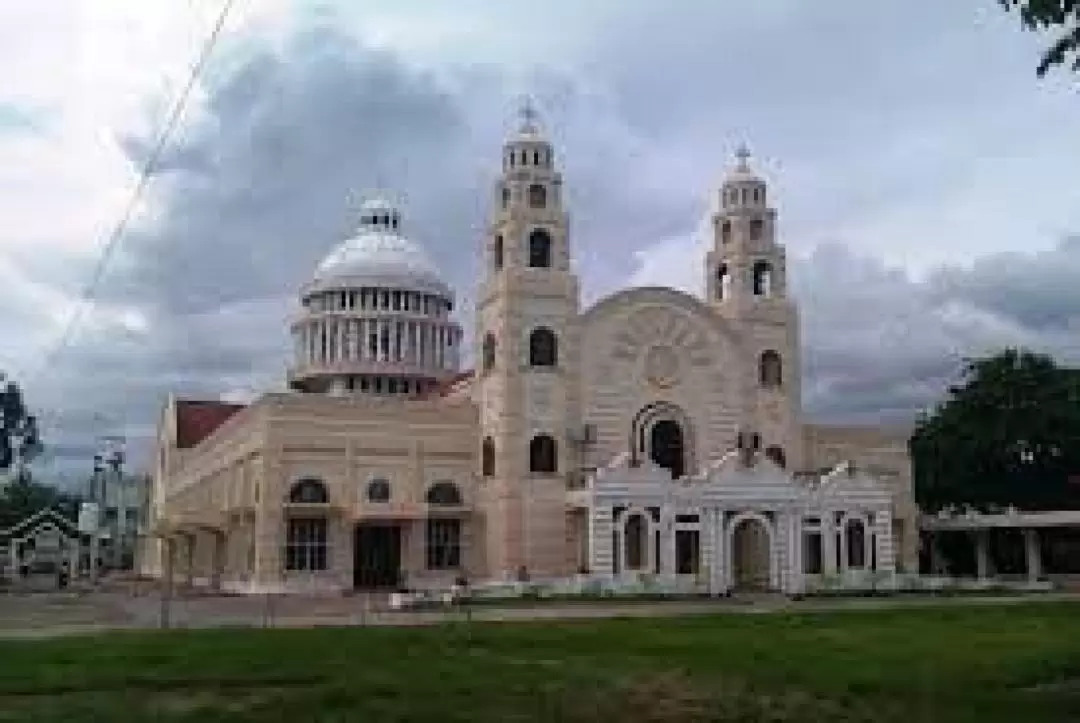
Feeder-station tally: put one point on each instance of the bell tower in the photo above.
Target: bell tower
(746, 283)
(527, 365)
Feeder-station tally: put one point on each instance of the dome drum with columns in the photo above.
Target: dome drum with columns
(377, 317)
(650, 433)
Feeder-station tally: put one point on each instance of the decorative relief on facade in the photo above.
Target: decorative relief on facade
(657, 326)
(661, 367)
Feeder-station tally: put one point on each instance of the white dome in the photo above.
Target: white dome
(378, 255)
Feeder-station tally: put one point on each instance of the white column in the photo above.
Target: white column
(828, 543)
(618, 539)
(886, 546)
(423, 343)
(1034, 557)
(777, 537)
(870, 529)
(842, 544)
(716, 564)
(411, 328)
(797, 567)
(667, 542)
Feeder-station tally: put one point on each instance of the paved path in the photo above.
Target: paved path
(102, 612)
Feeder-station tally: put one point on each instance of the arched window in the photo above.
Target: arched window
(770, 369)
(725, 231)
(488, 352)
(723, 282)
(537, 196)
(487, 457)
(762, 278)
(542, 454)
(497, 252)
(378, 490)
(757, 226)
(444, 494)
(309, 491)
(540, 249)
(543, 348)
(776, 454)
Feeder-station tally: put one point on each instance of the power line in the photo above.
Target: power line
(90, 292)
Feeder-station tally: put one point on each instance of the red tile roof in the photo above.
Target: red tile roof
(196, 419)
(441, 390)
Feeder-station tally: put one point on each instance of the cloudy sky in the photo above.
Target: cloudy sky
(925, 178)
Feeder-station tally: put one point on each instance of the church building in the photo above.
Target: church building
(651, 434)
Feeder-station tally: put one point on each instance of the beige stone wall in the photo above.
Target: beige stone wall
(238, 480)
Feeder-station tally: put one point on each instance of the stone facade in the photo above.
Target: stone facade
(643, 399)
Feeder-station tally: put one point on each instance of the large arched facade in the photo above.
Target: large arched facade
(659, 379)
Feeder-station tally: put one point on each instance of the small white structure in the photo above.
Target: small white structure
(736, 526)
(43, 539)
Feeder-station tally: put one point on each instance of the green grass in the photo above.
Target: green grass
(945, 663)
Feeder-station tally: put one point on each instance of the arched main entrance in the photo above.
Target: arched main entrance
(661, 433)
(750, 556)
(667, 447)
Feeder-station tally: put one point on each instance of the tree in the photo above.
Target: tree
(19, 439)
(1042, 15)
(23, 497)
(1008, 435)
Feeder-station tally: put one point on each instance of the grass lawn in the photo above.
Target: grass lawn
(943, 663)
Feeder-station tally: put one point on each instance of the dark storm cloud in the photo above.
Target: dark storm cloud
(255, 190)
(260, 186)
(1039, 290)
(878, 342)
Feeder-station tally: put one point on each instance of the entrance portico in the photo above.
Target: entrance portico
(737, 527)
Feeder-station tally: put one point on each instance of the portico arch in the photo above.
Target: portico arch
(662, 433)
(750, 553)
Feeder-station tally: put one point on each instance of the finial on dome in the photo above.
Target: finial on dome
(742, 157)
(377, 212)
(528, 117)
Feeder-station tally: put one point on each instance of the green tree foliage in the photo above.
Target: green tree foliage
(1043, 15)
(20, 444)
(1008, 435)
(19, 439)
(23, 497)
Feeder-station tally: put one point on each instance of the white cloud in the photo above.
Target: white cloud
(924, 139)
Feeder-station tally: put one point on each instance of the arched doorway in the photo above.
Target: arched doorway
(750, 556)
(663, 434)
(667, 448)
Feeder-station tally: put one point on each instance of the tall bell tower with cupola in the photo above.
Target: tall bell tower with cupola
(746, 283)
(527, 365)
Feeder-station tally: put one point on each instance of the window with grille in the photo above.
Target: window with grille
(305, 544)
(443, 543)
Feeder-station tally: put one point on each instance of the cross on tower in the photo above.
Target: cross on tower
(742, 153)
(528, 116)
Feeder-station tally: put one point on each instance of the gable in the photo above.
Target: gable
(48, 517)
(197, 420)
